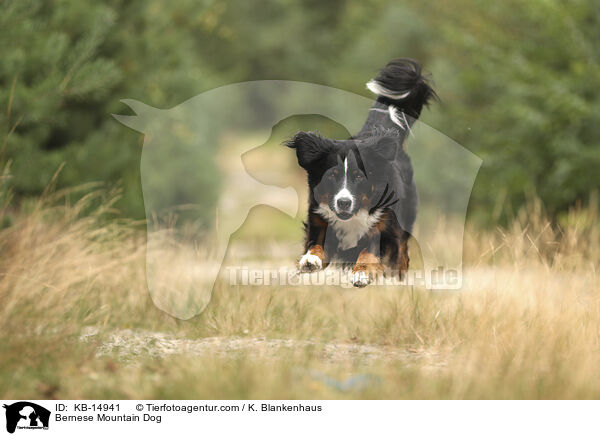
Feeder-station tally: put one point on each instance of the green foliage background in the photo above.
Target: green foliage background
(519, 81)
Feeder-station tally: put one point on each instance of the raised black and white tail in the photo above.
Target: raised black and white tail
(402, 90)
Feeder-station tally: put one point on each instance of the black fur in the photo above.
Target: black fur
(377, 174)
(402, 75)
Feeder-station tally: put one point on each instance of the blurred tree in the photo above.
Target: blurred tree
(520, 83)
(65, 66)
(54, 83)
(518, 80)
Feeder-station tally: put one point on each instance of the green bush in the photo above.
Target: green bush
(65, 66)
(520, 87)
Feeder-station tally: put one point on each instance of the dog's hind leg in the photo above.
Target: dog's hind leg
(402, 260)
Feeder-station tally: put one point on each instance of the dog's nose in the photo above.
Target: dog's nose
(344, 204)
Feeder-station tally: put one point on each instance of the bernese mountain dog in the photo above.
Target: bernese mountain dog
(363, 198)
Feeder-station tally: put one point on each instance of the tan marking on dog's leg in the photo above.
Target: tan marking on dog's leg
(313, 260)
(367, 268)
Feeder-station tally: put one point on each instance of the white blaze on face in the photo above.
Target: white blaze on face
(344, 193)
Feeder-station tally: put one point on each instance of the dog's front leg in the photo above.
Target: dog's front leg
(312, 260)
(315, 257)
(368, 266)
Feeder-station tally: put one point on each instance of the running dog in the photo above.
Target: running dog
(363, 198)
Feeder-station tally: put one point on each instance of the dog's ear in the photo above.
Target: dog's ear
(310, 147)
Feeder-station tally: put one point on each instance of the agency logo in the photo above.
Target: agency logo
(26, 415)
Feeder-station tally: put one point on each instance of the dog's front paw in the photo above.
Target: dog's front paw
(309, 263)
(360, 279)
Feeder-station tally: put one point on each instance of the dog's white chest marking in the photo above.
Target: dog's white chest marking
(350, 231)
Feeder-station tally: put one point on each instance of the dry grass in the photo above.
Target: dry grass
(526, 325)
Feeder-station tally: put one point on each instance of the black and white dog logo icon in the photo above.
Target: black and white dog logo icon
(26, 415)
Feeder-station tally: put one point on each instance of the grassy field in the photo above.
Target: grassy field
(76, 321)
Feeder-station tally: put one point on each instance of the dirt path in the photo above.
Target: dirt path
(128, 345)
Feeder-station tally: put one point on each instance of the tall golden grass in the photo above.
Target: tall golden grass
(526, 324)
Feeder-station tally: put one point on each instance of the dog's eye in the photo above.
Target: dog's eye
(359, 177)
(331, 176)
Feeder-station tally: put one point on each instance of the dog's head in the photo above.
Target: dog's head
(347, 177)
